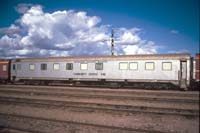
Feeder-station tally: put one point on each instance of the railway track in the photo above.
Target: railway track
(42, 126)
(151, 104)
(132, 95)
(47, 113)
(15, 130)
(17, 101)
(87, 101)
(94, 90)
(98, 107)
(99, 96)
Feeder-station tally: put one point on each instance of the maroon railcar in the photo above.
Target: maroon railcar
(4, 70)
(197, 67)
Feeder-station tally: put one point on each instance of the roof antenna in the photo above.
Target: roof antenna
(112, 42)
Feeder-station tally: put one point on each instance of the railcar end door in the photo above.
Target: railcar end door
(183, 77)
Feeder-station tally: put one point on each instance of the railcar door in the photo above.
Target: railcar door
(183, 74)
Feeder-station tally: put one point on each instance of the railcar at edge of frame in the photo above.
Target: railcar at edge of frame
(195, 83)
(4, 71)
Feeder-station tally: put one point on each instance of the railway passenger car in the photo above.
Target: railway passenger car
(197, 68)
(156, 68)
(196, 73)
(4, 71)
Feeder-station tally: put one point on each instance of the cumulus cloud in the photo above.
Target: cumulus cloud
(66, 33)
(10, 30)
(23, 7)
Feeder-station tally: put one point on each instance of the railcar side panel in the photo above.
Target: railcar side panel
(111, 71)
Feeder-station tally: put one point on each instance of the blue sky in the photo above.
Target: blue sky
(141, 27)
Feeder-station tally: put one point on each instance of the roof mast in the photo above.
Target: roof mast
(112, 42)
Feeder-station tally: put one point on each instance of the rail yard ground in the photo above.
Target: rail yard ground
(50, 109)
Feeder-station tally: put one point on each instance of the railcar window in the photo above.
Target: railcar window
(18, 66)
(99, 66)
(69, 66)
(84, 66)
(13, 67)
(149, 66)
(4, 68)
(123, 65)
(31, 66)
(43, 67)
(167, 66)
(133, 66)
(56, 66)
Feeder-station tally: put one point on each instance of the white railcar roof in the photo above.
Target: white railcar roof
(183, 56)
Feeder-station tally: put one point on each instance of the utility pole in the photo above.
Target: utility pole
(112, 42)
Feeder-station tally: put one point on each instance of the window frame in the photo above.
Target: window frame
(71, 66)
(167, 69)
(4, 68)
(97, 68)
(42, 66)
(150, 69)
(132, 63)
(123, 63)
(83, 64)
(56, 68)
(31, 68)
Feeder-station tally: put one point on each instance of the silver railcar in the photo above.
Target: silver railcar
(154, 68)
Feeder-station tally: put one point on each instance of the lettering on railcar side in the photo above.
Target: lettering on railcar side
(80, 74)
(93, 74)
(90, 74)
